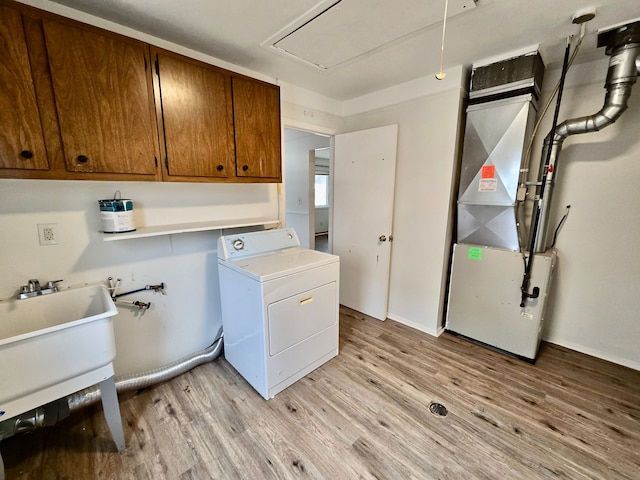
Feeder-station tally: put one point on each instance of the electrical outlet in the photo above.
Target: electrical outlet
(48, 233)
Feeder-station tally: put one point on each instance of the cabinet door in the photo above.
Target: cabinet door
(21, 138)
(256, 113)
(197, 117)
(102, 88)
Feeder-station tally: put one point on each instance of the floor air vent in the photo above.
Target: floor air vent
(438, 409)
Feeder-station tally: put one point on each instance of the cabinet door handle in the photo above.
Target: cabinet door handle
(26, 154)
(82, 159)
(220, 168)
(245, 168)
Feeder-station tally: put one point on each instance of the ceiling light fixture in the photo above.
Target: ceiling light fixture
(440, 75)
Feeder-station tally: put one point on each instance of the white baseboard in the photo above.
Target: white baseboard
(434, 332)
(573, 346)
(595, 353)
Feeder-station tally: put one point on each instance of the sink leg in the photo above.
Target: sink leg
(111, 409)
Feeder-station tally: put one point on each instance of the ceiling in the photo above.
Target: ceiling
(347, 48)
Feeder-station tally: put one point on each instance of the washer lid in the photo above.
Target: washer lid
(280, 263)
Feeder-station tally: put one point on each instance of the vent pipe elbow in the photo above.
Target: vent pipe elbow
(621, 77)
(623, 45)
(610, 112)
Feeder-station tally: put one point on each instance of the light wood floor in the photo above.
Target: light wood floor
(364, 415)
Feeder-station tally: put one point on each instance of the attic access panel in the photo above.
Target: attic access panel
(349, 29)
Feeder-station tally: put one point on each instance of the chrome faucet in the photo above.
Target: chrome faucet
(33, 288)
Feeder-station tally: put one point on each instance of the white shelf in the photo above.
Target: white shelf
(157, 230)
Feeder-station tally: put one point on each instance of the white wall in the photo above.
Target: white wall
(593, 308)
(322, 219)
(183, 321)
(592, 305)
(425, 175)
(298, 175)
(188, 317)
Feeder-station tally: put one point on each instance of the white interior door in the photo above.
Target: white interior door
(363, 192)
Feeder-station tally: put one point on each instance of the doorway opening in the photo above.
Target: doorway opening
(308, 185)
(360, 191)
(322, 198)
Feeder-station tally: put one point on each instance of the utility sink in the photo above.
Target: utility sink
(54, 345)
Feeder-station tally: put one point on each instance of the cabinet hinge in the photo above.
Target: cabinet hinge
(156, 160)
(157, 66)
(166, 163)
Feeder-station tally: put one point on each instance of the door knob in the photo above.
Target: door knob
(382, 238)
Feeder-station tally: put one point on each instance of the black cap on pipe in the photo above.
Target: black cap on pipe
(619, 37)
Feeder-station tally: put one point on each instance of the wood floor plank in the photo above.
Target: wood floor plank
(364, 415)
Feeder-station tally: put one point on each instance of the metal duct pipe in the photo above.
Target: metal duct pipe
(136, 381)
(51, 413)
(623, 44)
(43, 416)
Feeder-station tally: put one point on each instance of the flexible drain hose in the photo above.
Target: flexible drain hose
(136, 381)
(51, 413)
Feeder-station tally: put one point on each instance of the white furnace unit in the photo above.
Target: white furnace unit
(484, 300)
(279, 307)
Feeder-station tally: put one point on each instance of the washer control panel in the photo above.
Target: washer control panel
(238, 244)
(254, 243)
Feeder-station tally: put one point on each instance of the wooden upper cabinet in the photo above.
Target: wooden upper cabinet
(21, 136)
(195, 110)
(78, 102)
(104, 100)
(256, 113)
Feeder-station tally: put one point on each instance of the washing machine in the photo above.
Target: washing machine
(279, 307)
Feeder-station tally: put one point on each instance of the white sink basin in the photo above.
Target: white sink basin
(54, 345)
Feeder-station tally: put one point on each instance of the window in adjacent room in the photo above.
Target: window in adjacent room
(322, 191)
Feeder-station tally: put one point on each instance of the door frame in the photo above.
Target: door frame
(289, 124)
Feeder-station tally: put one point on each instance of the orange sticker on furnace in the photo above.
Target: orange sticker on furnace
(489, 171)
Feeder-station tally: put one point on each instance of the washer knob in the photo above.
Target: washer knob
(238, 244)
